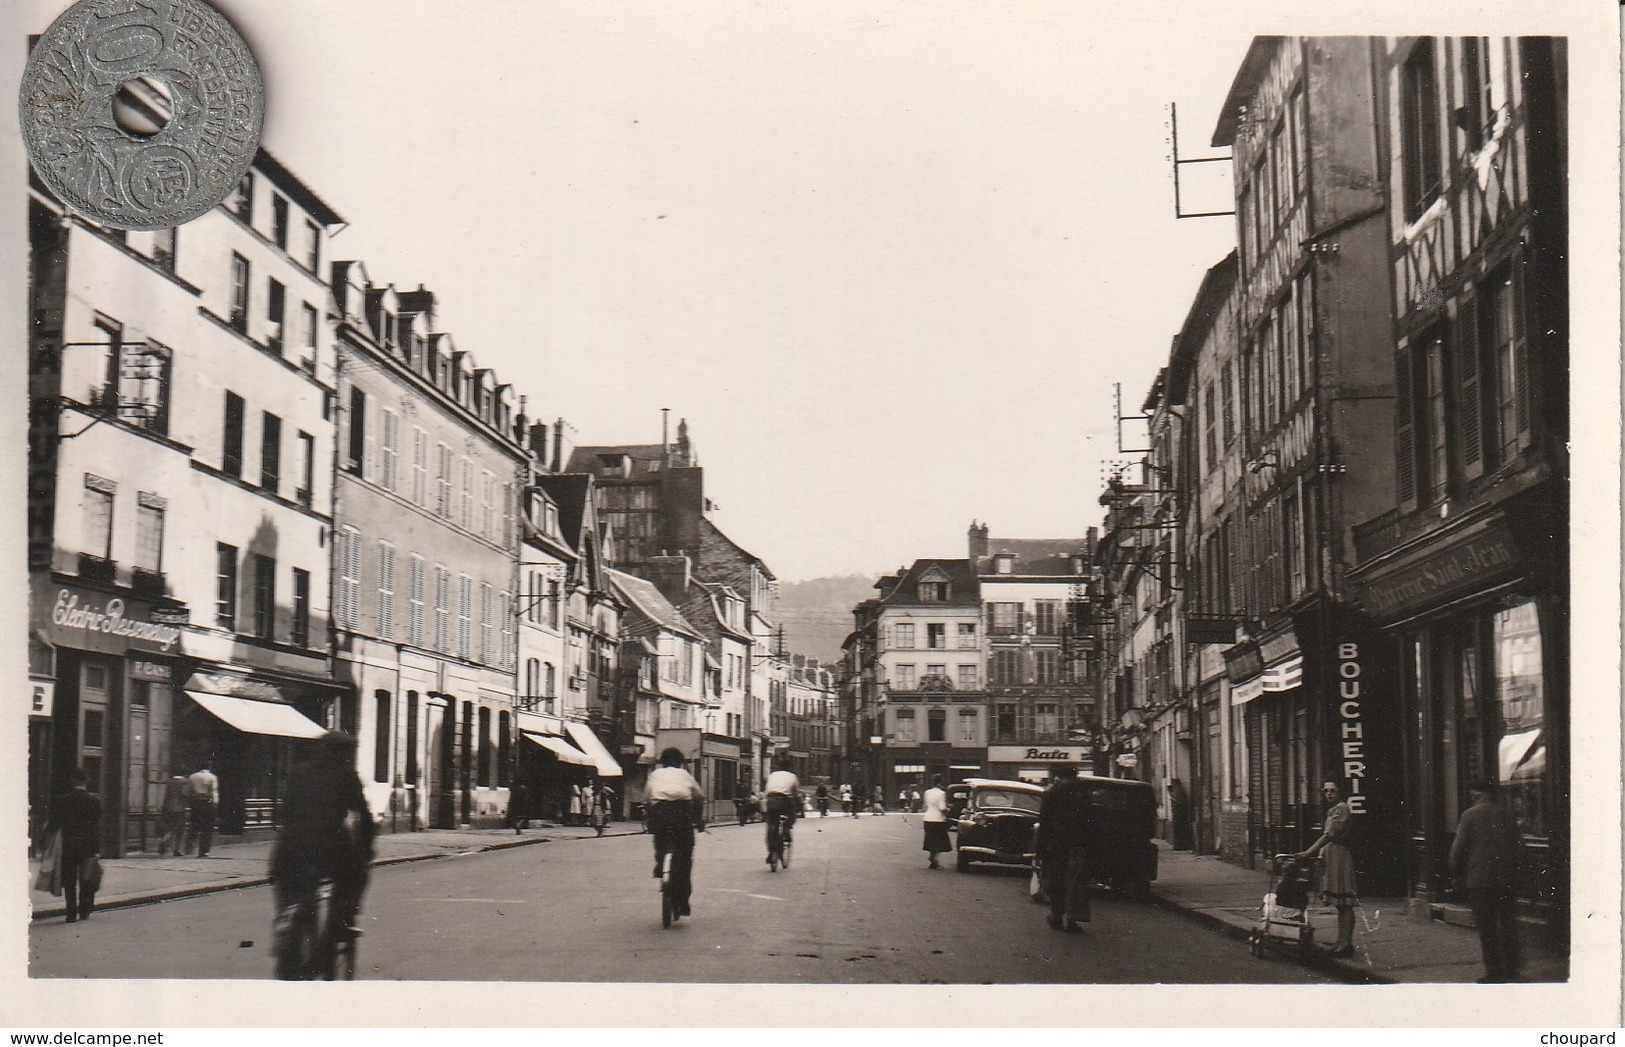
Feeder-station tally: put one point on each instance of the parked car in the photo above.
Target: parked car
(958, 795)
(996, 822)
(1124, 817)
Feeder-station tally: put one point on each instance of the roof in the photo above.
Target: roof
(1245, 85)
(962, 585)
(1049, 557)
(1210, 299)
(570, 492)
(706, 526)
(651, 603)
(297, 191)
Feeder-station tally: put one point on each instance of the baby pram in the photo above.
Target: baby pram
(1284, 919)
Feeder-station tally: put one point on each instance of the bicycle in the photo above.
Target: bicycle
(311, 941)
(671, 908)
(779, 840)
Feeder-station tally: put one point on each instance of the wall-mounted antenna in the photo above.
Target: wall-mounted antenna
(1173, 122)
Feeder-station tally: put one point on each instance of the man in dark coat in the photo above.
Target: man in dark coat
(77, 813)
(1064, 839)
(1484, 860)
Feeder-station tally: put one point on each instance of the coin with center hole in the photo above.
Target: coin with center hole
(141, 114)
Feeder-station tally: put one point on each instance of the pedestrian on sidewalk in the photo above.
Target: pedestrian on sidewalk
(202, 800)
(172, 816)
(936, 822)
(1484, 860)
(846, 800)
(603, 799)
(914, 799)
(1063, 849)
(77, 815)
(1338, 887)
(879, 804)
(519, 806)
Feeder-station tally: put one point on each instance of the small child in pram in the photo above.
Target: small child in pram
(1285, 915)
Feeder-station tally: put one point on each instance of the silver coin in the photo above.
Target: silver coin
(141, 114)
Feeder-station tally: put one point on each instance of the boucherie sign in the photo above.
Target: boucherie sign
(110, 620)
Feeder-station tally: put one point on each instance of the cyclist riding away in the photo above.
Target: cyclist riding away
(676, 808)
(326, 834)
(783, 805)
(822, 793)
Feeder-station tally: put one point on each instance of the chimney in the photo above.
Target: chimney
(558, 445)
(978, 540)
(670, 575)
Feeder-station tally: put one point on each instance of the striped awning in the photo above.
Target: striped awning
(1282, 676)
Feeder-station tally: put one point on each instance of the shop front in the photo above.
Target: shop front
(1035, 763)
(101, 699)
(551, 768)
(250, 729)
(1476, 615)
(918, 766)
(1320, 703)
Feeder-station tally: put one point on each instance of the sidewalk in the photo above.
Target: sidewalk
(143, 878)
(1390, 945)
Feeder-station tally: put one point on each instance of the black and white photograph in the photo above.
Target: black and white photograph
(932, 512)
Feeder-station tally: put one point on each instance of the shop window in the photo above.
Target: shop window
(1521, 709)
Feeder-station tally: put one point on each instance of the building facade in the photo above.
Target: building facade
(1467, 570)
(1036, 651)
(181, 384)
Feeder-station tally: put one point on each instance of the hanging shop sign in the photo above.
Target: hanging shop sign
(1351, 738)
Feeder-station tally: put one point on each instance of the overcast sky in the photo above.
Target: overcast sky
(888, 258)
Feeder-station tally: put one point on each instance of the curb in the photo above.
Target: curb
(174, 893)
(1313, 957)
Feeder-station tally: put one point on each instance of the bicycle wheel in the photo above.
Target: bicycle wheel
(344, 961)
(784, 849)
(668, 907)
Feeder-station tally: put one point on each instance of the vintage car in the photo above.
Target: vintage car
(996, 823)
(958, 796)
(1123, 821)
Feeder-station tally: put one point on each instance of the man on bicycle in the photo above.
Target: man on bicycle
(326, 834)
(676, 807)
(783, 805)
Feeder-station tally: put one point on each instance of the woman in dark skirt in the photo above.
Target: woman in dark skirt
(936, 822)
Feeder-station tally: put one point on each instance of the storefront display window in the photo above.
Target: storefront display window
(1521, 701)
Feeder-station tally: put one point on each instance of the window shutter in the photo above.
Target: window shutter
(1469, 388)
(1404, 431)
(1520, 362)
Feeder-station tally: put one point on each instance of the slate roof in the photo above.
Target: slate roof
(1049, 557)
(905, 589)
(651, 603)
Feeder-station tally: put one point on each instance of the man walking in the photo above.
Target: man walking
(1484, 859)
(202, 799)
(1063, 849)
(77, 814)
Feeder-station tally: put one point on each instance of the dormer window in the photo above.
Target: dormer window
(1003, 563)
(934, 592)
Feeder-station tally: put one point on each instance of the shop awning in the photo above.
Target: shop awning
(254, 716)
(909, 768)
(1280, 677)
(582, 735)
(566, 752)
(964, 767)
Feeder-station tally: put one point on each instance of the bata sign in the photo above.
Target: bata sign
(1036, 754)
(74, 612)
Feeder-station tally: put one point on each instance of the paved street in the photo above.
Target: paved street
(858, 906)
